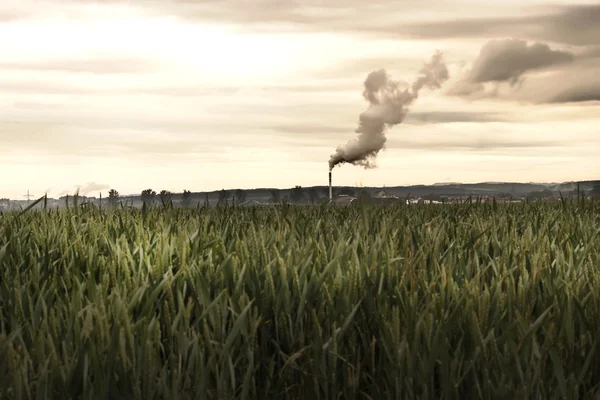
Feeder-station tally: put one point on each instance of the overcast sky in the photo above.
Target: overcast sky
(205, 95)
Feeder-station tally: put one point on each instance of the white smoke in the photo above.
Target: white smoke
(388, 106)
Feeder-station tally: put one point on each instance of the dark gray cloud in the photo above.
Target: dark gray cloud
(506, 69)
(507, 60)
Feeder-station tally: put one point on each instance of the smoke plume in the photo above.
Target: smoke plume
(389, 101)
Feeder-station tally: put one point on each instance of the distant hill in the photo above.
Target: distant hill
(320, 193)
(439, 189)
(451, 189)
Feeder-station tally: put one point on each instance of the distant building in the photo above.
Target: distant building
(382, 194)
(252, 203)
(343, 200)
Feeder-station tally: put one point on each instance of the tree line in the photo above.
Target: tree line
(239, 196)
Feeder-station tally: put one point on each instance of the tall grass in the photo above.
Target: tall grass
(462, 301)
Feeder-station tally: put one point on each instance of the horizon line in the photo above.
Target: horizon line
(438, 184)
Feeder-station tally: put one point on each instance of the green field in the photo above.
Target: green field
(314, 302)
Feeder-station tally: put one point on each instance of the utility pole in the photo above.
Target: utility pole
(27, 195)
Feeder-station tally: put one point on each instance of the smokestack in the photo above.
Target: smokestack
(330, 193)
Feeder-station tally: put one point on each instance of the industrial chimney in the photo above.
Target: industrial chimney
(330, 193)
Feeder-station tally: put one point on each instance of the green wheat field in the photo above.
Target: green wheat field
(467, 301)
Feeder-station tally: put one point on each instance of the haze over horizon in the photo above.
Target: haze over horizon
(173, 94)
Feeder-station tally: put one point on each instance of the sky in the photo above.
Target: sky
(206, 95)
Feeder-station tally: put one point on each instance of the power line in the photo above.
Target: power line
(28, 195)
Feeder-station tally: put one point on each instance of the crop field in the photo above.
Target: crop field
(474, 300)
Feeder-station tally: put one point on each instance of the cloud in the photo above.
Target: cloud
(112, 65)
(589, 53)
(64, 88)
(573, 84)
(64, 139)
(44, 85)
(575, 24)
(572, 24)
(176, 147)
(259, 13)
(512, 69)
(578, 93)
(91, 187)
(473, 144)
(13, 14)
(29, 134)
(319, 131)
(413, 118)
(40, 87)
(440, 117)
(360, 66)
(84, 189)
(307, 129)
(33, 105)
(432, 142)
(507, 60)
